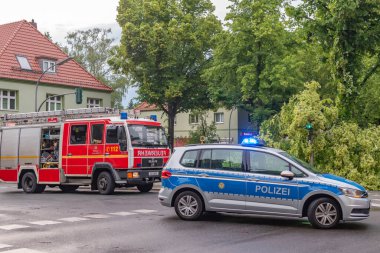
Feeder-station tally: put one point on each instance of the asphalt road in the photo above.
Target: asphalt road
(133, 222)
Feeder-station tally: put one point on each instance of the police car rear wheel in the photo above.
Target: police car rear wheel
(188, 205)
(105, 183)
(324, 213)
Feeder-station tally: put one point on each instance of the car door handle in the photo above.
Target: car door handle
(107, 154)
(203, 175)
(253, 179)
(69, 154)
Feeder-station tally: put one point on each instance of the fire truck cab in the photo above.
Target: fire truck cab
(81, 147)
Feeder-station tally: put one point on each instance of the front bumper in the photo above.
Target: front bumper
(144, 176)
(354, 209)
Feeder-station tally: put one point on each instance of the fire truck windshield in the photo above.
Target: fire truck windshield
(142, 135)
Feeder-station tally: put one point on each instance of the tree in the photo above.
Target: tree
(92, 49)
(208, 131)
(349, 33)
(339, 147)
(164, 47)
(254, 65)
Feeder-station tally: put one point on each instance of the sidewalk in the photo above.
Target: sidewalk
(375, 200)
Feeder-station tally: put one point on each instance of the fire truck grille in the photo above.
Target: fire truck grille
(151, 162)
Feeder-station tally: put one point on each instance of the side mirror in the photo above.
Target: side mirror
(123, 145)
(288, 174)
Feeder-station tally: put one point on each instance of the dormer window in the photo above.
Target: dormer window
(48, 66)
(23, 61)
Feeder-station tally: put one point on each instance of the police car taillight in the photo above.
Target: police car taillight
(166, 174)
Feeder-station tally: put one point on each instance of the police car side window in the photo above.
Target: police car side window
(189, 159)
(227, 159)
(205, 159)
(264, 163)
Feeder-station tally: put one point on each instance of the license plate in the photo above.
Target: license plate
(154, 173)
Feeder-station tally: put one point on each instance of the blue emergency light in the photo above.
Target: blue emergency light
(123, 115)
(252, 142)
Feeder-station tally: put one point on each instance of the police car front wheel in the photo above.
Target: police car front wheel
(188, 205)
(324, 213)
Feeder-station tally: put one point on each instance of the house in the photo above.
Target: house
(231, 125)
(25, 54)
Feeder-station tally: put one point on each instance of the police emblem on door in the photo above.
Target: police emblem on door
(221, 185)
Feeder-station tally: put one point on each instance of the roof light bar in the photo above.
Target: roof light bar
(252, 142)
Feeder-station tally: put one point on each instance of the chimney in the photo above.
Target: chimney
(33, 23)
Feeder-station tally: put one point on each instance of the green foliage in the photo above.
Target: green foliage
(92, 49)
(203, 129)
(340, 148)
(164, 47)
(253, 64)
(348, 31)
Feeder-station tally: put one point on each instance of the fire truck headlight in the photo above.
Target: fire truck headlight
(133, 175)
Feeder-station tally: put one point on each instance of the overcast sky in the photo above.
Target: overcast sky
(60, 17)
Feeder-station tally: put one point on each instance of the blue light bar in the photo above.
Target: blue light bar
(123, 115)
(252, 142)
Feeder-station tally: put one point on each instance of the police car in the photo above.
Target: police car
(254, 179)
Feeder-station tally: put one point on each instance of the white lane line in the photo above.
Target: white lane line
(123, 213)
(96, 216)
(144, 211)
(3, 246)
(375, 205)
(44, 222)
(73, 219)
(23, 250)
(13, 226)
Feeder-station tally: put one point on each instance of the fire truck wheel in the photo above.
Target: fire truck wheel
(145, 187)
(29, 183)
(68, 188)
(105, 183)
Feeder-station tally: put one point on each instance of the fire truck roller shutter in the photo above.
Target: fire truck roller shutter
(29, 146)
(9, 148)
(9, 154)
(100, 167)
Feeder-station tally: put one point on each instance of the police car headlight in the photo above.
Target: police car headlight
(353, 193)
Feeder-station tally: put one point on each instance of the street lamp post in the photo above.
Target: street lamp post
(43, 73)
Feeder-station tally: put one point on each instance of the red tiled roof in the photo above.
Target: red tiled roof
(21, 38)
(144, 106)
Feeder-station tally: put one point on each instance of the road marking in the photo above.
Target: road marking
(2, 246)
(44, 222)
(375, 205)
(123, 213)
(144, 211)
(22, 250)
(97, 216)
(73, 219)
(13, 226)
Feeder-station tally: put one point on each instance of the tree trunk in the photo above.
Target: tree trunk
(171, 118)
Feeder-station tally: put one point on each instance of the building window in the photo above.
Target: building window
(93, 102)
(219, 117)
(7, 100)
(48, 66)
(24, 64)
(193, 119)
(54, 103)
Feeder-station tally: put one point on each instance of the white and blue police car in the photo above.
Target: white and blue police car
(254, 179)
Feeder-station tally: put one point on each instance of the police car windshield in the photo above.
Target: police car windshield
(142, 135)
(300, 162)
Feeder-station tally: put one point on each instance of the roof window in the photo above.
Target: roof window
(23, 61)
(48, 66)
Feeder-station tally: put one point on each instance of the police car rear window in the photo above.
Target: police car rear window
(189, 159)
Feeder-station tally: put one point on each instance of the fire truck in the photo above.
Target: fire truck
(81, 147)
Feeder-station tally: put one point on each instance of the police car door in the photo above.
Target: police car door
(267, 191)
(221, 177)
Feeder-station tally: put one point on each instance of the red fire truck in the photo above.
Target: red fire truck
(81, 147)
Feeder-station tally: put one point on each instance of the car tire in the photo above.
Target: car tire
(188, 205)
(145, 187)
(324, 213)
(29, 183)
(68, 188)
(105, 183)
